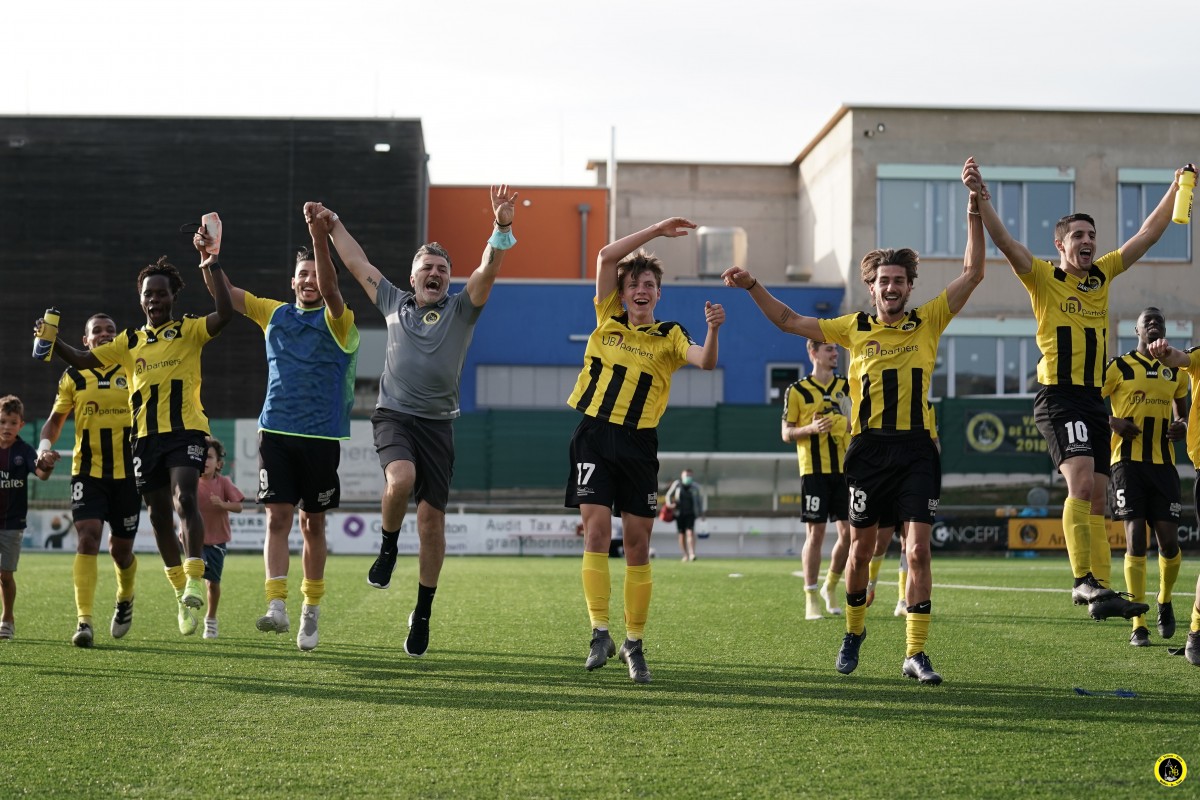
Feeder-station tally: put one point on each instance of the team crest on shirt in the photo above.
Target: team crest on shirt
(908, 326)
(121, 382)
(170, 333)
(1167, 374)
(1090, 284)
(431, 317)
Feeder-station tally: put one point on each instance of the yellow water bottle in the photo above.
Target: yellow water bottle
(1183, 197)
(43, 340)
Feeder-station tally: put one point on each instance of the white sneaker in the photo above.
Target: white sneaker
(210, 628)
(901, 608)
(830, 606)
(276, 618)
(306, 637)
(6, 630)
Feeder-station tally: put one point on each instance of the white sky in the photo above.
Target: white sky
(526, 91)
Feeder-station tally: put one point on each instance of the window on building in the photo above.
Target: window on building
(1138, 192)
(925, 206)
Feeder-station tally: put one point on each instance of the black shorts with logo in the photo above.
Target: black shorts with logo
(1145, 491)
(1074, 422)
(298, 470)
(156, 454)
(614, 466)
(824, 498)
(109, 500)
(427, 443)
(890, 474)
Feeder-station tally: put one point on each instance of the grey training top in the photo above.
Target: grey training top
(426, 348)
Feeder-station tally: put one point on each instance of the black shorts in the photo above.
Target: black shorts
(826, 498)
(899, 473)
(614, 466)
(298, 470)
(1145, 491)
(685, 524)
(109, 500)
(427, 443)
(1074, 422)
(155, 455)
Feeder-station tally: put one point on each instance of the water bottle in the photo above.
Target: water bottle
(1183, 197)
(43, 341)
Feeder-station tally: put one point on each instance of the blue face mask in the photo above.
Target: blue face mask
(687, 480)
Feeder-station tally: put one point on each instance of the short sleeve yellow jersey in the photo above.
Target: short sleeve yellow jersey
(1072, 320)
(891, 365)
(626, 376)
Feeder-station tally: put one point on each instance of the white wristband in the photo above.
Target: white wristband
(44, 445)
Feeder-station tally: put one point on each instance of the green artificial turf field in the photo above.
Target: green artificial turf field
(745, 701)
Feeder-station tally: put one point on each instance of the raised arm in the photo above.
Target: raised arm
(1171, 356)
(1154, 226)
(319, 227)
(80, 359)
(201, 241)
(773, 309)
(368, 277)
(1018, 255)
(961, 287)
(613, 252)
(218, 285)
(706, 357)
(479, 284)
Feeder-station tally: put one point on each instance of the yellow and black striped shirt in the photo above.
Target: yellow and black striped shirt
(1072, 320)
(819, 453)
(164, 364)
(100, 402)
(1143, 391)
(891, 365)
(626, 376)
(1193, 434)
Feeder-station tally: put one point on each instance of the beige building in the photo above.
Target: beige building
(889, 176)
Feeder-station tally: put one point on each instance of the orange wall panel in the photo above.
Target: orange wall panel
(547, 226)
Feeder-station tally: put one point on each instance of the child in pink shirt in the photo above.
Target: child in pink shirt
(217, 497)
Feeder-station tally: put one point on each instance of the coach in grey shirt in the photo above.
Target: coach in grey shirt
(428, 334)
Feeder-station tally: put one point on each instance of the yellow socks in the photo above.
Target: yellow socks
(1135, 584)
(873, 570)
(193, 567)
(856, 619)
(639, 585)
(596, 588)
(84, 571)
(1077, 531)
(1168, 572)
(916, 632)
(177, 578)
(276, 588)
(1101, 550)
(313, 591)
(902, 581)
(125, 579)
(831, 581)
(1196, 617)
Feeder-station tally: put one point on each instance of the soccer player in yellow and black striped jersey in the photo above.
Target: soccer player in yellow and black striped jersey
(163, 360)
(892, 461)
(1070, 304)
(1148, 408)
(813, 419)
(622, 392)
(1189, 361)
(102, 486)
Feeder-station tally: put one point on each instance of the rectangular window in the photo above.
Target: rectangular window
(923, 206)
(1138, 193)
